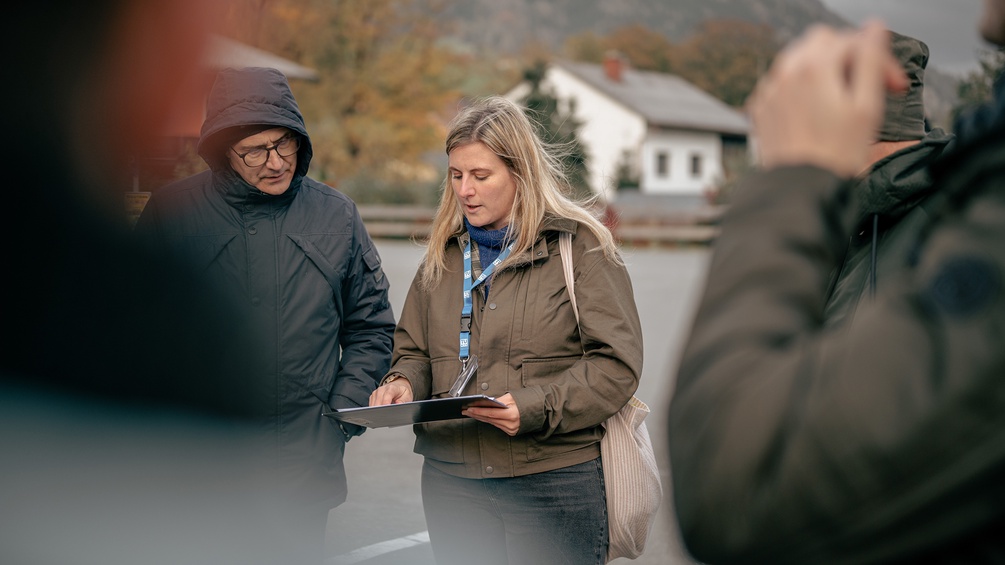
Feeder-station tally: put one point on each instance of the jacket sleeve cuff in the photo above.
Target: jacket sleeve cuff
(530, 402)
(417, 374)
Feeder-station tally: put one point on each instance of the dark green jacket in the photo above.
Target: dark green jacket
(879, 442)
(893, 201)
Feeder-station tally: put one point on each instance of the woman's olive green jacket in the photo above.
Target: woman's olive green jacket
(565, 379)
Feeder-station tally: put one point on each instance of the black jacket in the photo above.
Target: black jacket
(301, 263)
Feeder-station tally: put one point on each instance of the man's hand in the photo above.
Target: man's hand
(822, 101)
(394, 392)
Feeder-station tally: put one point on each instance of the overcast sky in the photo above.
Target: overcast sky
(949, 27)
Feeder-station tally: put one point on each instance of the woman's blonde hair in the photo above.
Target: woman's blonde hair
(542, 189)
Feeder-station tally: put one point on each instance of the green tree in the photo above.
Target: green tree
(558, 128)
(977, 87)
(626, 174)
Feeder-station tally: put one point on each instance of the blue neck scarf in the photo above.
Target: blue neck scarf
(490, 242)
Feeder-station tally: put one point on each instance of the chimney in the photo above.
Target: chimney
(614, 66)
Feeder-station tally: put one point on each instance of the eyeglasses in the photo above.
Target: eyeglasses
(258, 156)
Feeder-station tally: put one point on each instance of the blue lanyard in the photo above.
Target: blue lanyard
(468, 287)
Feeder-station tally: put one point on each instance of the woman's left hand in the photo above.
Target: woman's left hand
(506, 419)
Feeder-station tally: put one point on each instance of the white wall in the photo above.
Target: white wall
(607, 128)
(680, 147)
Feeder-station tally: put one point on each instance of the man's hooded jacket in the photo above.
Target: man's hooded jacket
(894, 202)
(301, 264)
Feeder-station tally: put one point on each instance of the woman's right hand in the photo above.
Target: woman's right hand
(393, 392)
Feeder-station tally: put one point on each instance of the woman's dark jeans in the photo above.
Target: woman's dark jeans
(546, 518)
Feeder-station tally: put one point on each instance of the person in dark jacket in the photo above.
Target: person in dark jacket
(896, 194)
(296, 253)
(128, 433)
(880, 442)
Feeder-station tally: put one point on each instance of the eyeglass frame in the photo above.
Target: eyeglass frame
(291, 136)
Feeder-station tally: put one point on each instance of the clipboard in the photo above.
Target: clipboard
(415, 412)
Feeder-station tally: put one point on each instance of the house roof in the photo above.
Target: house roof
(663, 99)
(225, 52)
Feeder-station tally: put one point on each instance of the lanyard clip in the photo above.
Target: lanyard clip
(466, 324)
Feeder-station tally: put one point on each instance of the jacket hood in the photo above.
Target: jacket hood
(252, 96)
(896, 183)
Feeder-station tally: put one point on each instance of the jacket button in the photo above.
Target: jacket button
(492, 306)
(256, 301)
(252, 231)
(485, 386)
(489, 469)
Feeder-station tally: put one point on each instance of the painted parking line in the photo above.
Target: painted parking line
(376, 550)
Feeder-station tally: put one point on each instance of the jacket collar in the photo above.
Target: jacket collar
(539, 251)
(896, 183)
(238, 193)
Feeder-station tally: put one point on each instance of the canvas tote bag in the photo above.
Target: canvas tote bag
(631, 477)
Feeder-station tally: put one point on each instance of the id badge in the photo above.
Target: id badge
(468, 369)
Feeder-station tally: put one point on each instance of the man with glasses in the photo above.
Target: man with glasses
(295, 254)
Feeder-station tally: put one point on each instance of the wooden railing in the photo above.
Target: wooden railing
(693, 227)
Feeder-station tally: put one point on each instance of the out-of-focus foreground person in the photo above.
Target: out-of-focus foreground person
(895, 196)
(295, 253)
(879, 441)
(127, 421)
(521, 484)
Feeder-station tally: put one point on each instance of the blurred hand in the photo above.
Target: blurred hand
(822, 101)
(506, 419)
(395, 392)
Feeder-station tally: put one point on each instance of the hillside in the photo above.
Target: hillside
(505, 26)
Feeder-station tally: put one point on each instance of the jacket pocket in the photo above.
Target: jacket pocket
(372, 261)
(445, 371)
(541, 371)
(442, 441)
(545, 445)
(327, 270)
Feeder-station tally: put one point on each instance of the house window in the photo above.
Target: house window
(696, 165)
(662, 164)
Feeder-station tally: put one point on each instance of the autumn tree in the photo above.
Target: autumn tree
(385, 86)
(726, 58)
(557, 127)
(587, 47)
(643, 47)
(723, 57)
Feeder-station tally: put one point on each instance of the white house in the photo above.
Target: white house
(674, 137)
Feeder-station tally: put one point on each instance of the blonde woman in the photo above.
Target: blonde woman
(520, 484)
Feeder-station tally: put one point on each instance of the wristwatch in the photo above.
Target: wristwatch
(392, 377)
